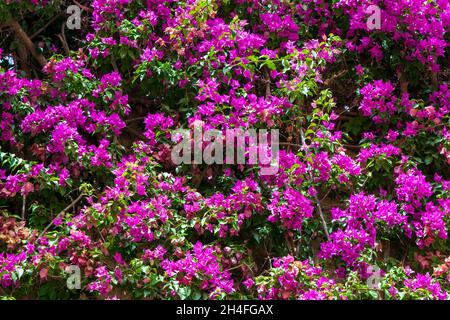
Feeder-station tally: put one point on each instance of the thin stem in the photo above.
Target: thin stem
(316, 199)
(74, 202)
(45, 26)
(24, 202)
(62, 37)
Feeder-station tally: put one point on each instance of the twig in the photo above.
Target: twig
(114, 64)
(352, 146)
(289, 144)
(135, 132)
(267, 80)
(100, 233)
(202, 175)
(82, 7)
(23, 207)
(62, 37)
(143, 100)
(335, 76)
(45, 26)
(328, 192)
(316, 198)
(5, 29)
(74, 202)
(324, 223)
(134, 119)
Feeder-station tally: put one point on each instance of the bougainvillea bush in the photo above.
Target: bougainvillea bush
(358, 209)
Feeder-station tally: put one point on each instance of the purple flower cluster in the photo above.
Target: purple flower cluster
(291, 208)
(200, 265)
